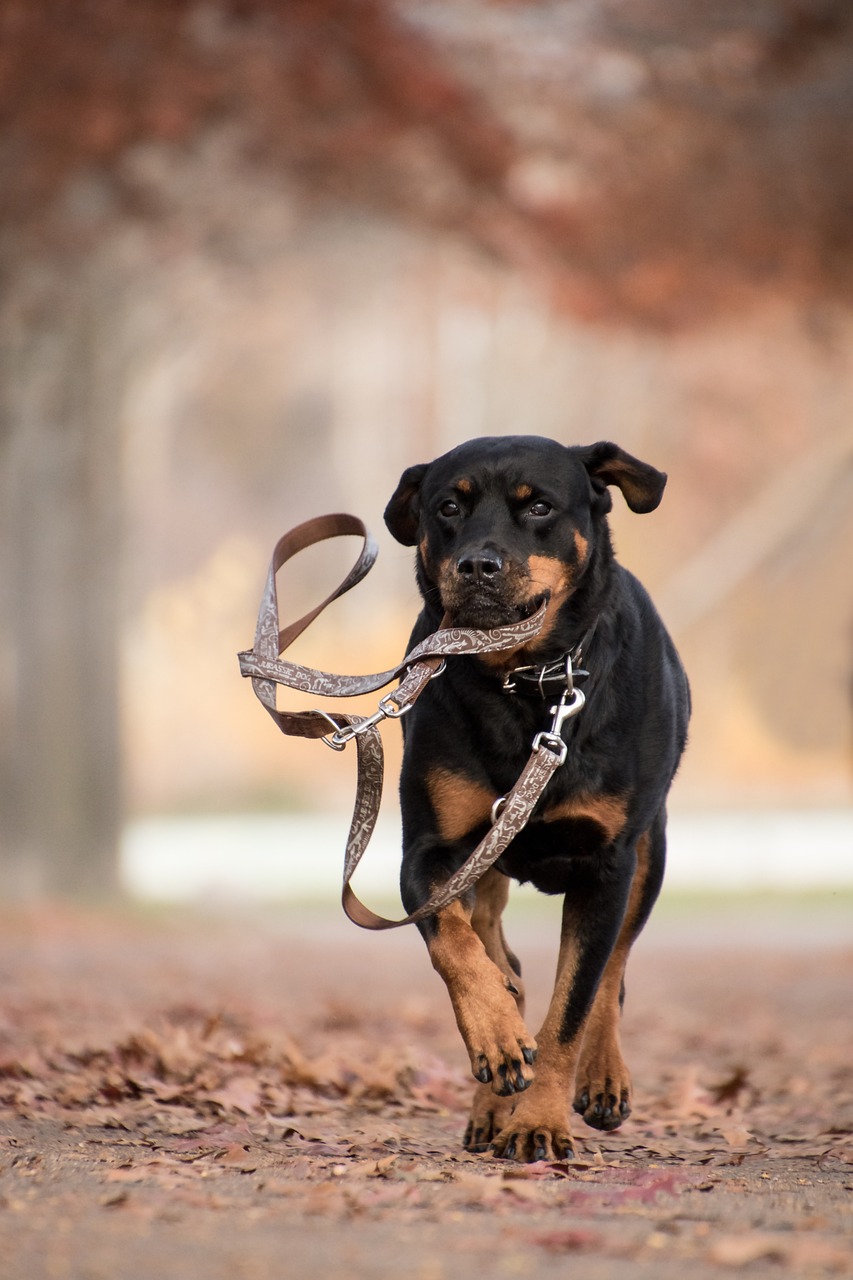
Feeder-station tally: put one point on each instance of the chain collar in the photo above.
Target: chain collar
(543, 680)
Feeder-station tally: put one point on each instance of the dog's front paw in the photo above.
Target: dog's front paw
(501, 1049)
(505, 1062)
(535, 1132)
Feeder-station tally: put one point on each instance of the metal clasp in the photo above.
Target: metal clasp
(569, 705)
(388, 710)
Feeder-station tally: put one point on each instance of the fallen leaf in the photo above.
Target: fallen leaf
(730, 1089)
(241, 1093)
(740, 1250)
(737, 1136)
(568, 1241)
(237, 1157)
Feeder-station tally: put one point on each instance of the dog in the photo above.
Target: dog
(503, 526)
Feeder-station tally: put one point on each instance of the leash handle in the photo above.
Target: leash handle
(264, 665)
(270, 641)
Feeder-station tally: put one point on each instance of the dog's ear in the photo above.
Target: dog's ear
(642, 486)
(403, 511)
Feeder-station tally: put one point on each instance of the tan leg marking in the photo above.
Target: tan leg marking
(603, 1088)
(492, 896)
(489, 1112)
(539, 1127)
(499, 1045)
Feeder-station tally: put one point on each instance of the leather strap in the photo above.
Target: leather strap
(266, 669)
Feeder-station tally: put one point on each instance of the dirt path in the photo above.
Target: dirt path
(282, 1095)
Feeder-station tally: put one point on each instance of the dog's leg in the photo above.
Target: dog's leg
(486, 920)
(539, 1127)
(603, 1083)
(499, 1045)
(490, 1112)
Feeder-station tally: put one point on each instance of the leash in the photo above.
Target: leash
(263, 663)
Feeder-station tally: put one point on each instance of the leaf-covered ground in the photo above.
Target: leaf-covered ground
(237, 1096)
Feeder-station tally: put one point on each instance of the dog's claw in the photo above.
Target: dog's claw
(604, 1111)
(529, 1056)
(533, 1145)
(512, 1078)
(484, 1075)
(508, 1152)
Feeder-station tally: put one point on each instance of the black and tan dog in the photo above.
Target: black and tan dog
(501, 525)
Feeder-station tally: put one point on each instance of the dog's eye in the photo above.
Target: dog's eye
(540, 509)
(448, 508)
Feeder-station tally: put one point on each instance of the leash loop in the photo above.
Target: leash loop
(264, 665)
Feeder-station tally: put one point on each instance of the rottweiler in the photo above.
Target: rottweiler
(503, 525)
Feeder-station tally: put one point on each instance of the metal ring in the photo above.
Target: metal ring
(388, 707)
(553, 743)
(498, 808)
(329, 740)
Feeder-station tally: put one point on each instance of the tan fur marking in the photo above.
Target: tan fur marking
(465, 486)
(581, 547)
(549, 572)
(492, 896)
(523, 492)
(543, 1110)
(593, 1058)
(609, 812)
(552, 574)
(459, 804)
(602, 1069)
(486, 1012)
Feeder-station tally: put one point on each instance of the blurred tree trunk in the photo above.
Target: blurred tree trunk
(60, 773)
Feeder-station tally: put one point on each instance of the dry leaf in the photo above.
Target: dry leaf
(239, 1157)
(749, 1246)
(737, 1136)
(241, 1093)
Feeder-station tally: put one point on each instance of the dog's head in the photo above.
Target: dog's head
(503, 523)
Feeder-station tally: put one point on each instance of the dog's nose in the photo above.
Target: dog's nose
(479, 566)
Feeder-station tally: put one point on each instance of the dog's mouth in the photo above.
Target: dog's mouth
(486, 610)
(533, 606)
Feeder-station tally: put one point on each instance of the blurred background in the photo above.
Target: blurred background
(260, 255)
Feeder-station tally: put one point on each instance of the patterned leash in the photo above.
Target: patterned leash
(264, 665)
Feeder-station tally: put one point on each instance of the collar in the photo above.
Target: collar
(545, 679)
